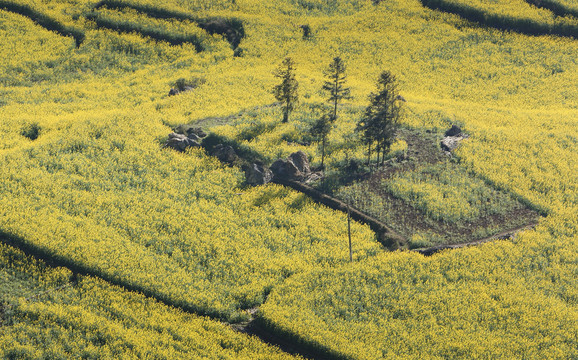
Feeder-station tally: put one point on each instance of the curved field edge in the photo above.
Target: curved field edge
(556, 7)
(500, 22)
(194, 239)
(88, 317)
(231, 28)
(44, 20)
(159, 35)
(388, 307)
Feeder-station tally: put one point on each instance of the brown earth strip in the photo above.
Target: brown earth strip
(501, 236)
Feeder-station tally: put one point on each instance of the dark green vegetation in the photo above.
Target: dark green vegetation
(420, 192)
(128, 25)
(44, 20)
(286, 91)
(433, 200)
(380, 123)
(501, 22)
(231, 28)
(554, 6)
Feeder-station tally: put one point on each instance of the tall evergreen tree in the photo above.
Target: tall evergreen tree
(381, 119)
(335, 84)
(286, 92)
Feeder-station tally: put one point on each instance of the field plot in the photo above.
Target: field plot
(420, 192)
(454, 304)
(45, 312)
(432, 200)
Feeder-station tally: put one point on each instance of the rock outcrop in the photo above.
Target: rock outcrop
(258, 174)
(452, 140)
(295, 168)
(189, 130)
(181, 142)
(225, 153)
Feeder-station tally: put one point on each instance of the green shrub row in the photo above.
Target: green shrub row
(231, 28)
(502, 22)
(555, 7)
(43, 20)
(129, 27)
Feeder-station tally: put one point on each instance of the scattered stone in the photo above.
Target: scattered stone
(295, 168)
(285, 169)
(258, 174)
(225, 153)
(301, 162)
(450, 143)
(194, 137)
(453, 138)
(181, 142)
(190, 130)
(314, 176)
(454, 131)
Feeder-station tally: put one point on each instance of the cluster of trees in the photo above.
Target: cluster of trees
(378, 126)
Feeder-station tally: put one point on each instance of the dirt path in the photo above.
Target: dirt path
(287, 342)
(501, 236)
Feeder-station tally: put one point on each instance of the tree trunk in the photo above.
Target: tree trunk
(323, 153)
(369, 155)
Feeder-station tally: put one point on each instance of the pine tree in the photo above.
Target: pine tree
(286, 92)
(335, 84)
(381, 120)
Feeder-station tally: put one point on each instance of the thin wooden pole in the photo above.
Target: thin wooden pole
(349, 233)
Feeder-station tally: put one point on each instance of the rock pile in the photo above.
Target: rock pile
(225, 153)
(258, 174)
(181, 142)
(185, 136)
(295, 168)
(452, 139)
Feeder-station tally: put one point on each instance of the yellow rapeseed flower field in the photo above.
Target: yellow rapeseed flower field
(84, 180)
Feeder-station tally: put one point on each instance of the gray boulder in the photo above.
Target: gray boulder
(286, 170)
(296, 167)
(180, 142)
(189, 130)
(258, 174)
(450, 143)
(225, 153)
(301, 162)
(453, 131)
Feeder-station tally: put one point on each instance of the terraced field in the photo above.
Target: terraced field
(115, 247)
